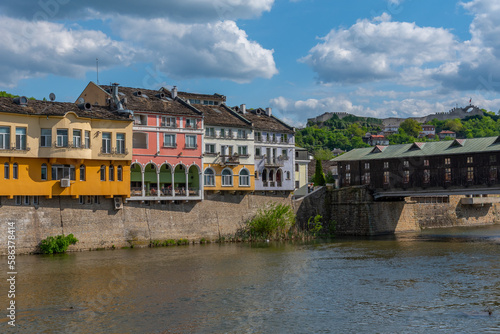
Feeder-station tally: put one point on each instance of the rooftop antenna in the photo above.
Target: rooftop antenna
(52, 97)
(97, 68)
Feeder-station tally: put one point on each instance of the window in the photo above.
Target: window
(386, 177)
(288, 175)
(62, 138)
(139, 140)
(119, 173)
(210, 148)
(87, 139)
(366, 178)
(222, 133)
(26, 200)
(296, 167)
(493, 172)
(36, 200)
(6, 170)
(46, 138)
(406, 176)
(19, 200)
(386, 164)
(209, 103)
(347, 179)
(194, 101)
(284, 138)
(257, 152)
(427, 176)
(210, 132)
(348, 167)
(190, 123)
(406, 164)
(367, 165)
(256, 174)
(169, 140)
(274, 138)
(15, 171)
(191, 141)
(447, 174)
(209, 177)
(284, 154)
(242, 150)
(470, 173)
(120, 143)
(20, 138)
(4, 137)
(111, 172)
(103, 173)
(82, 173)
(470, 160)
(44, 172)
(81, 199)
(168, 122)
(77, 138)
(493, 158)
(106, 142)
(258, 136)
(244, 178)
(447, 161)
(63, 172)
(297, 184)
(242, 134)
(227, 177)
(140, 120)
(230, 134)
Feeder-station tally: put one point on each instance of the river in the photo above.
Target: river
(438, 281)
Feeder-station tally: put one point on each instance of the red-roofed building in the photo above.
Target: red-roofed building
(446, 133)
(378, 140)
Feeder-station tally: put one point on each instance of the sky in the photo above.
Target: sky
(377, 58)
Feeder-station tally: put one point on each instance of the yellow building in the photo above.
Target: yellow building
(63, 149)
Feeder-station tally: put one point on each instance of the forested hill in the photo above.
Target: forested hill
(347, 133)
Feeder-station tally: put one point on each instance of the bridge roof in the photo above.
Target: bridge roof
(451, 147)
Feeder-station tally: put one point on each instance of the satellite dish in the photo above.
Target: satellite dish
(81, 100)
(52, 97)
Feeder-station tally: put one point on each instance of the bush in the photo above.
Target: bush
(57, 244)
(275, 222)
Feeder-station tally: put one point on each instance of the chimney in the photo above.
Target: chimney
(243, 109)
(116, 97)
(174, 92)
(268, 111)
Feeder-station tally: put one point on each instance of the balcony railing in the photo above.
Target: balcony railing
(274, 162)
(171, 126)
(230, 160)
(13, 147)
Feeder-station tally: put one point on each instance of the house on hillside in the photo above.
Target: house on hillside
(374, 140)
(446, 133)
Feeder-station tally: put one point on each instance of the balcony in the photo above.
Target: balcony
(13, 147)
(229, 160)
(166, 194)
(168, 125)
(274, 162)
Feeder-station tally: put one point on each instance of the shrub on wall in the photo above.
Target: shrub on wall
(274, 222)
(57, 244)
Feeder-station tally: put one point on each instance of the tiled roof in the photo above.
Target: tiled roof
(37, 107)
(473, 145)
(446, 131)
(186, 95)
(222, 116)
(149, 100)
(263, 122)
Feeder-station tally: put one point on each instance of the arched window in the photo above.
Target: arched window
(264, 175)
(6, 173)
(15, 171)
(103, 173)
(111, 172)
(44, 172)
(244, 178)
(119, 173)
(227, 177)
(82, 172)
(278, 175)
(271, 175)
(209, 177)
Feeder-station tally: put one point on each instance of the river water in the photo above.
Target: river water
(439, 281)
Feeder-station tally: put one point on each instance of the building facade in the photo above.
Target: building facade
(167, 142)
(302, 160)
(63, 149)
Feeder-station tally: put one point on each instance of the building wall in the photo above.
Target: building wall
(94, 95)
(98, 225)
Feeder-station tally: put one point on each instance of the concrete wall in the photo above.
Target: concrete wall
(356, 213)
(100, 226)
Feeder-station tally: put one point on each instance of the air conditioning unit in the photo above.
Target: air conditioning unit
(65, 183)
(118, 203)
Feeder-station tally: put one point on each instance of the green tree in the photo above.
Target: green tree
(319, 176)
(411, 127)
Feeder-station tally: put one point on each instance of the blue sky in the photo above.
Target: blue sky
(378, 58)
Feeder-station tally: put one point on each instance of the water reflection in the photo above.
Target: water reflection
(440, 280)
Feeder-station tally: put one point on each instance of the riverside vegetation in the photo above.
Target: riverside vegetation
(57, 244)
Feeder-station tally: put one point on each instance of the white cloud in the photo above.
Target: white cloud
(212, 50)
(378, 49)
(31, 49)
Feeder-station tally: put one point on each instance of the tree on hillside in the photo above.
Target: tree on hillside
(454, 125)
(323, 154)
(411, 127)
(319, 175)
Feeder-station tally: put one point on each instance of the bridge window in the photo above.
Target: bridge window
(367, 165)
(386, 164)
(470, 160)
(426, 162)
(406, 176)
(470, 173)
(447, 174)
(406, 164)
(493, 172)
(366, 178)
(447, 161)
(347, 179)
(386, 177)
(348, 167)
(427, 176)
